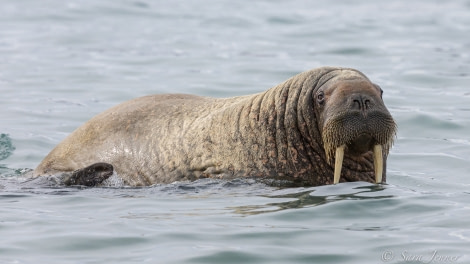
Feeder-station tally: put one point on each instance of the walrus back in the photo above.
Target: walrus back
(114, 134)
(145, 139)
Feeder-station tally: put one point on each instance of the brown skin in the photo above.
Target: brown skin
(279, 134)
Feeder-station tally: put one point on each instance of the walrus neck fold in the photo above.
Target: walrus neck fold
(283, 128)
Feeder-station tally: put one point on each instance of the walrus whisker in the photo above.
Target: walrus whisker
(338, 163)
(378, 163)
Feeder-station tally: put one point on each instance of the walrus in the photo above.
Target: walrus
(323, 126)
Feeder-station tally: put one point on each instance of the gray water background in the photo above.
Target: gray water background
(61, 62)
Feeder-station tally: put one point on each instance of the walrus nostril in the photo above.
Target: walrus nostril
(357, 104)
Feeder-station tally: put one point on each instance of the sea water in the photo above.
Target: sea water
(62, 62)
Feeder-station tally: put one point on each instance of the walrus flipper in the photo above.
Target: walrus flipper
(90, 176)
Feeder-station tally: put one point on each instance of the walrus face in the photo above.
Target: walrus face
(354, 120)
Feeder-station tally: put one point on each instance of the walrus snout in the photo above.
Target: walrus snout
(356, 124)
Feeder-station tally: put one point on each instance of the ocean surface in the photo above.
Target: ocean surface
(62, 62)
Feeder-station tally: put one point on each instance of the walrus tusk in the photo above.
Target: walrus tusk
(338, 163)
(378, 163)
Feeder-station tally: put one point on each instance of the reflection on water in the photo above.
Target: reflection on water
(309, 197)
(290, 198)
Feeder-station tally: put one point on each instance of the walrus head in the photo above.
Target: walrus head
(354, 123)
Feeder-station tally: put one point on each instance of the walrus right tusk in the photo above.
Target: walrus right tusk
(378, 163)
(338, 163)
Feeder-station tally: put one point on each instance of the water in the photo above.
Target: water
(64, 61)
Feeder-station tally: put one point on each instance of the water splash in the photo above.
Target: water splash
(6, 146)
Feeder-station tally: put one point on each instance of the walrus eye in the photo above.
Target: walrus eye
(321, 97)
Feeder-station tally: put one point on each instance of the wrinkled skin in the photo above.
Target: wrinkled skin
(287, 133)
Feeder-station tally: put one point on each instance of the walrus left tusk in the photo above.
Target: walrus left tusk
(378, 163)
(338, 163)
